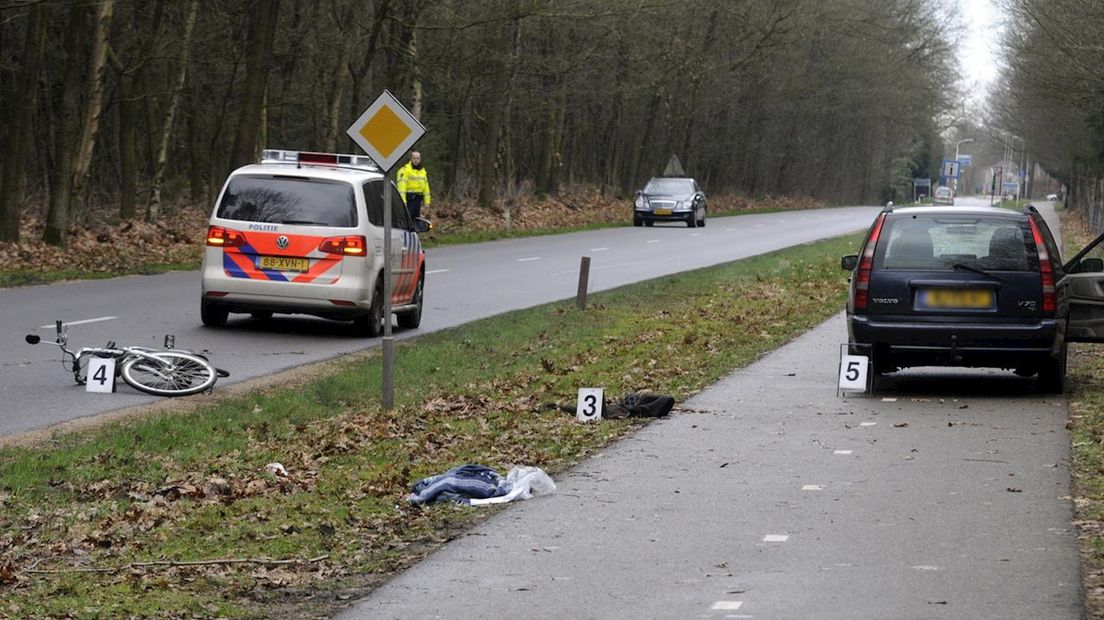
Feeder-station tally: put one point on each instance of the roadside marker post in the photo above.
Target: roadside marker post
(385, 131)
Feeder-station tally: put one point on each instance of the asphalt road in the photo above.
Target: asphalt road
(768, 497)
(463, 283)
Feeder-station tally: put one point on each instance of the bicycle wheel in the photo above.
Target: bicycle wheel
(169, 373)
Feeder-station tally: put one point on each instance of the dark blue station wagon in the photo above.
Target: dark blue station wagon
(972, 287)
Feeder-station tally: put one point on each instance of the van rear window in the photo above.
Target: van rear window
(931, 243)
(289, 200)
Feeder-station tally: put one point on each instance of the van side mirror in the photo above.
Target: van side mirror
(1090, 265)
(422, 225)
(849, 262)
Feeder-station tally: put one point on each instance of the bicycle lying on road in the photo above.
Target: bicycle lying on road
(161, 372)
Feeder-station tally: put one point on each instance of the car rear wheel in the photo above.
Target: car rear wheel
(371, 324)
(1052, 374)
(212, 314)
(413, 318)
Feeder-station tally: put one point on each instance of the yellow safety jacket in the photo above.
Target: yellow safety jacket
(414, 181)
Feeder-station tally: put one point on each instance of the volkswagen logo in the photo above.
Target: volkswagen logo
(282, 242)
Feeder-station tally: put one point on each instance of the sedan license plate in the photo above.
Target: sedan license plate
(283, 263)
(662, 212)
(956, 298)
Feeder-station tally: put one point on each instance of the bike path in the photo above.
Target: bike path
(767, 496)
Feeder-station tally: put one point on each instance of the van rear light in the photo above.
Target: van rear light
(1046, 272)
(218, 236)
(352, 245)
(866, 263)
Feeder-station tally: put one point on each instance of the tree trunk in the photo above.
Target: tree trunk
(337, 93)
(16, 151)
(262, 34)
(128, 147)
(499, 96)
(62, 127)
(93, 109)
(170, 117)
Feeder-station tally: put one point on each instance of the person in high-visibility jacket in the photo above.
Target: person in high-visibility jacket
(413, 184)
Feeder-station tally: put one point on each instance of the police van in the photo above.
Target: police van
(302, 233)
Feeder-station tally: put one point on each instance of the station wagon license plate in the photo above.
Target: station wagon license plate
(662, 212)
(283, 263)
(956, 298)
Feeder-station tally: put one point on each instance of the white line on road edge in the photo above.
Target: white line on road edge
(597, 249)
(776, 538)
(868, 423)
(67, 323)
(436, 271)
(813, 487)
(727, 605)
(652, 241)
(526, 260)
(842, 452)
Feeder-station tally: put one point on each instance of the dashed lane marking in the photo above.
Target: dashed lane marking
(868, 423)
(96, 320)
(727, 605)
(776, 538)
(813, 487)
(652, 241)
(844, 452)
(436, 271)
(597, 249)
(526, 260)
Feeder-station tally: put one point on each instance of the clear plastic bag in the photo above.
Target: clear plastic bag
(525, 481)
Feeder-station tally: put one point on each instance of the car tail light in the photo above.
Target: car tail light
(352, 245)
(224, 237)
(1046, 272)
(866, 263)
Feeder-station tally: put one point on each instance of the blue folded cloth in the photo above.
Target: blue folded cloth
(460, 484)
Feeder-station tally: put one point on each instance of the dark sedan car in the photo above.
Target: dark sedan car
(972, 286)
(670, 199)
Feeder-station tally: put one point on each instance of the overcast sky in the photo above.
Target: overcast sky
(979, 51)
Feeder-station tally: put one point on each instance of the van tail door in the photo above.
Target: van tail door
(1084, 284)
(403, 247)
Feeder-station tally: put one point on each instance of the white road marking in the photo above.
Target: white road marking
(776, 538)
(97, 320)
(695, 234)
(597, 249)
(842, 452)
(436, 271)
(889, 400)
(926, 567)
(526, 260)
(813, 487)
(727, 605)
(652, 241)
(868, 423)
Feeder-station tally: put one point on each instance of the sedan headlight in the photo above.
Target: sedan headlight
(640, 202)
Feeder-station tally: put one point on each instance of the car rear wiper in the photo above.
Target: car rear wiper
(958, 265)
(304, 222)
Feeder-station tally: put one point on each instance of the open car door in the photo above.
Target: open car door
(1084, 282)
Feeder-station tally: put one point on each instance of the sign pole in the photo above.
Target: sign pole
(388, 389)
(385, 131)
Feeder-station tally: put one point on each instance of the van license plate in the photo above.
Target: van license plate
(956, 298)
(662, 212)
(283, 263)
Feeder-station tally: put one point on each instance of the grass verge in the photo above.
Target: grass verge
(174, 515)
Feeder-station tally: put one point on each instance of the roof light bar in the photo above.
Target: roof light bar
(281, 156)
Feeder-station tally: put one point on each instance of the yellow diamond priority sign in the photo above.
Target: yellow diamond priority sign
(386, 130)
